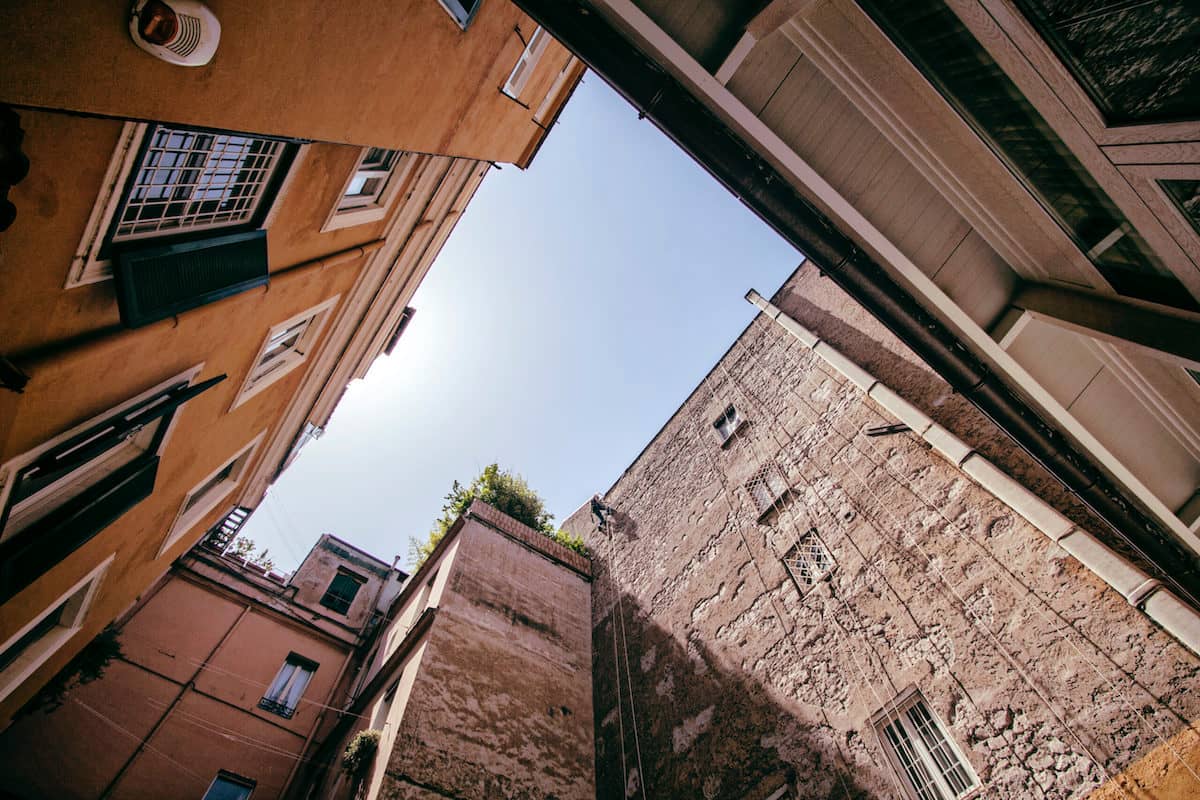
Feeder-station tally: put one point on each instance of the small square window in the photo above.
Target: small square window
(729, 423)
(767, 487)
(287, 346)
(227, 786)
(283, 696)
(209, 493)
(808, 560)
(377, 178)
(342, 591)
(928, 761)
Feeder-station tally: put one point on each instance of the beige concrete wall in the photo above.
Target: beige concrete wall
(1046, 679)
(401, 75)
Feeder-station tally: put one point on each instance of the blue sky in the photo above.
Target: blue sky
(570, 313)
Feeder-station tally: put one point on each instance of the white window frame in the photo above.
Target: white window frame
(797, 561)
(87, 266)
(79, 601)
(260, 376)
(69, 485)
(897, 711)
(527, 63)
(187, 518)
(361, 213)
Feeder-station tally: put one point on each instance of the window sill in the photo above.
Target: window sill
(278, 709)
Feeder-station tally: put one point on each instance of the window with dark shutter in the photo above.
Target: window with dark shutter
(342, 591)
(66, 494)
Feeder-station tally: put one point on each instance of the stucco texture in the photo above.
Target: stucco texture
(716, 676)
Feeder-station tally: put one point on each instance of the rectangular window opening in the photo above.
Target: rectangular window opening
(767, 487)
(729, 423)
(228, 786)
(210, 493)
(927, 759)
(285, 348)
(342, 591)
(527, 63)
(283, 695)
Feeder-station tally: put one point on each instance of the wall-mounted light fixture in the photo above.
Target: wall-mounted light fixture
(183, 32)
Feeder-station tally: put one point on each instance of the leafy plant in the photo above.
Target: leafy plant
(243, 547)
(504, 491)
(360, 753)
(88, 665)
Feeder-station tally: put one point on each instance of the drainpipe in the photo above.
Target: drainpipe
(1139, 589)
(732, 160)
(112, 785)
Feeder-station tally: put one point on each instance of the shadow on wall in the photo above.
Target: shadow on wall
(691, 728)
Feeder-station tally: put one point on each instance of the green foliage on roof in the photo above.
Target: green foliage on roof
(504, 491)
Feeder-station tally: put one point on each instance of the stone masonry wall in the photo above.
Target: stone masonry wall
(715, 677)
(502, 704)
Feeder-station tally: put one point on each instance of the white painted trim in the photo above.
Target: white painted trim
(87, 267)
(735, 58)
(38, 652)
(543, 110)
(187, 518)
(1179, 619)
(10, 467)
(893, 712)
(527, 62)
(254, 384)
(339, 218)
(658, 44)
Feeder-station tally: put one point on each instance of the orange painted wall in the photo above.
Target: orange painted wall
(400, 74)
(69, 155)
(166, 643)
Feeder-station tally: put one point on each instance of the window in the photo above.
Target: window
(1136, 60)
(30, 647)
(767, 487)
(379, 718)
(1186, 195)
(526, 64)
(918, 747)
(209, 493)
(227, 786)
(728, 424)
(286, 347)
(342, 591)
(177, 182)
(377, 178)
(462, 11)
(284, 694)
(808, 560)
(57, 496)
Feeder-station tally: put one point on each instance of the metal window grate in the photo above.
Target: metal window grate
(933, 765)
(195, 180)
(767, 486)
(808, 559)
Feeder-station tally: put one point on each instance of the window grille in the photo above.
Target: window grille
(728, 423)
(808, 560)
(767, 487)
(342, 591)
(189, 180)
(927, 758)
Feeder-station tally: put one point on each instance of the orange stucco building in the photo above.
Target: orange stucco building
(227, 674)
(203, 258)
